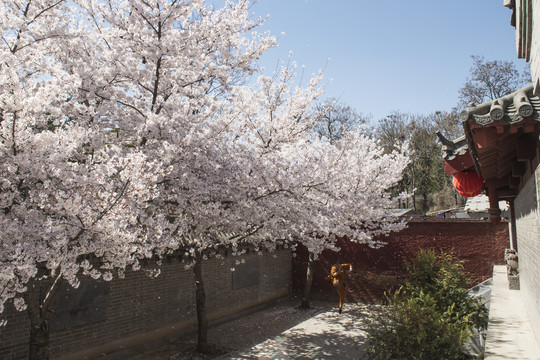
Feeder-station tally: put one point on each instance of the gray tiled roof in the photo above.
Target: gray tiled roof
(508, 110)
(511, 109)
(500, 135)
(453, 148)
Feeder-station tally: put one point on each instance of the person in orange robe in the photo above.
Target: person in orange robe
(338, 277)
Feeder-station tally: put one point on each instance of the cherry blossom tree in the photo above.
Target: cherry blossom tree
(353, 195)
(132, 130)
(135, 93)
(168, 69)
(311, 189)
(71, 190)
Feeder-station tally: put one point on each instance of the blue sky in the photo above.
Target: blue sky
(411, 56)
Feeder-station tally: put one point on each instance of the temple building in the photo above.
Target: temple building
(501, 147)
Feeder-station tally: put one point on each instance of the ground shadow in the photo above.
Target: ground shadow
(327, 336)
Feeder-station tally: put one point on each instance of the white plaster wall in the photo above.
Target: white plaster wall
(535, 46)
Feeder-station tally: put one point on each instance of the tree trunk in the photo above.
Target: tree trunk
(39, 312)
(200, 296)
(39, 342)
(309, 280)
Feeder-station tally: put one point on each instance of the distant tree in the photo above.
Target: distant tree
(450, 126)
(393, 130)
(336, 119)
(491, 80)
(448, 123)
(424, 177)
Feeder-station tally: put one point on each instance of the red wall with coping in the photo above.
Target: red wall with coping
(480, 243)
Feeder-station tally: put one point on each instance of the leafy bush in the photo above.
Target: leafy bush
(431, 316)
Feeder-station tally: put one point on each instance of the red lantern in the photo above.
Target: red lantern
(468, 183)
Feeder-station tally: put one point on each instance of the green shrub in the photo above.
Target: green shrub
(431, 316)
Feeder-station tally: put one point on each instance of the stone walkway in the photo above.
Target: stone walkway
(327, 336)
(280, 331)
(510, 335)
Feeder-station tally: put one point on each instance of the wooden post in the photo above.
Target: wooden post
(513, 227)
(494, 210)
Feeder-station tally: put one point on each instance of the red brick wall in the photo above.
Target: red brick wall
(480, 243)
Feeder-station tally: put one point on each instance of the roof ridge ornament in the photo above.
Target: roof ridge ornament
(464, 115)
(511, 108)
(483, 120)
(497, 110)
(514, 118)
(450, 145)
(522, 104)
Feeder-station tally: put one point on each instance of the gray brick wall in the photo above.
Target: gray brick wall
(528, 235)
(139, 305)
(11, 336)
